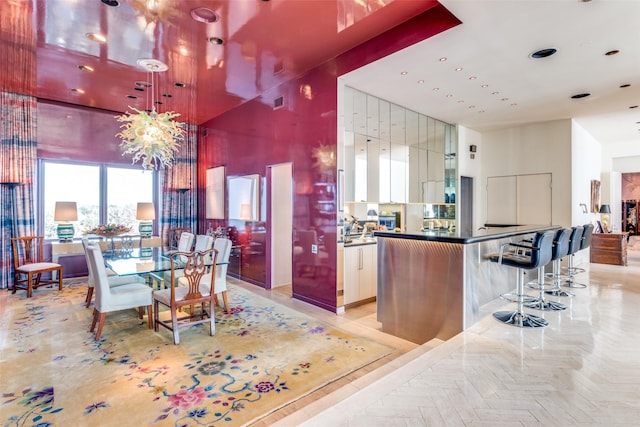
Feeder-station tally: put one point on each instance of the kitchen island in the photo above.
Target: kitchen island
(433, 283)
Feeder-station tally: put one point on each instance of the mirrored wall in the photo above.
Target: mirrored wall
(396, 155)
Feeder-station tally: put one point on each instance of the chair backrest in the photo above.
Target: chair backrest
(587, 233)
(129, 243)
(575, 240)
(204, 242)
(99, 273)
(173, 236)
(544, 242)
(193, 269)
(85, 246)
(27, 250)
(186, 242)
(223, 246)
(561, 243)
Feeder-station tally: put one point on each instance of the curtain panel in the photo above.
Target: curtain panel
(18, 155)
(179, 199)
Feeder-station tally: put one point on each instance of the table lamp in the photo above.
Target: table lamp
(63, 214)
(605, 210)
(145, 213)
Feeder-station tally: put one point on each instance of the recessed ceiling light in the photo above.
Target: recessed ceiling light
(158, 103)
(580, 95)
(403, 73)
(612, 52)
(543, 53)
(484, 86)
(514, 105)
(86, 68)
(436, 88)
(167, 95)
(420, 81)
(449, 95)
(625, 85)
(215, 40)
(99, 38)
(472, 78)
(442, 59)
(495, 93)
(112, 3)
(634, 106)
(458, 68)
(142, 84)
(472, 106)
(153, 65)
(504, 99)
(204, 14)
(139, 89)
(180, 84)
(77, 90)
(132, 97)
(461, 102)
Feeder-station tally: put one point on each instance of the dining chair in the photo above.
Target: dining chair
(223, 246)
(109, 299)
(28, 261)
(112, 278)
(173, 236)
(196, 292)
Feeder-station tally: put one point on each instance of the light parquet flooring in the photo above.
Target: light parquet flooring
(583, 369)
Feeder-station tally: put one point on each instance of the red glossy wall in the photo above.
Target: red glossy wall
(253, 136)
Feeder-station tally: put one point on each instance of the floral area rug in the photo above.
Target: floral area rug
(263, 356)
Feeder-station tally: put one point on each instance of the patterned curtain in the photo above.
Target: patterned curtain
(18, 155)
(179, 187)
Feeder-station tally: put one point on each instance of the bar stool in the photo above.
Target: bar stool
(524, 257)
(558, 250)
(585, 242)
(575, 242)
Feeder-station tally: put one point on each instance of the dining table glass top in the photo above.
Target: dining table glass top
(141, 261)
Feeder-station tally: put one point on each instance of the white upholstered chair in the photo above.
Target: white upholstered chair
(108, 299)
(196, 293)
(223, 248)
(203, 242)
(111, 277)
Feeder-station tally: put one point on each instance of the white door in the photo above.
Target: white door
(281, 224)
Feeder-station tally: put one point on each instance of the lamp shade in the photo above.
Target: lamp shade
(605, 209)
(65, 211)
(372, 212)
(145, 211)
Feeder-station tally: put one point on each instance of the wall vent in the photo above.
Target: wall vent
(278, 102)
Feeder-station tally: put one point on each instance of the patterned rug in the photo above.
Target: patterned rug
(263, 356)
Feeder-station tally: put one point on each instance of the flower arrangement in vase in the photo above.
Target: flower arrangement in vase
(109, 230)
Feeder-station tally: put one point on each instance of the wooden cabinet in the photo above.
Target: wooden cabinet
(360, 273)
(609, 248)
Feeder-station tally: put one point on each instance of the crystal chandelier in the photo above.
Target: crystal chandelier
(151, 137)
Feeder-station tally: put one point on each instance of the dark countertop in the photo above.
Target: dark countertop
(489, 233)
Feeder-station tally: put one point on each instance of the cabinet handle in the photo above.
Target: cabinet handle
(360, 259)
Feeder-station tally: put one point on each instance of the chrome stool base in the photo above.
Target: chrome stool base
(572, 284)
(520, 319)
(544, 305)
(559, 293)
(514, 297)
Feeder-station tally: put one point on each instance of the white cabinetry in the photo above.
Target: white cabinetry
(360, 272)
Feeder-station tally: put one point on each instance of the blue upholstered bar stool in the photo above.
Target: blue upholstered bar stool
(524, 257)
(575, 243)
(560, 250)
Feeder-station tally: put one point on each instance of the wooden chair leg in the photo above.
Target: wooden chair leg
(94, 320)
(30, 285)
(226, 302)
(60, 279)
(155, 315)
(100, 325)
(141, 312)
(16, 278)
(89, 296)
(150, 316)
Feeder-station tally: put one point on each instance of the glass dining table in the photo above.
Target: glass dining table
(150, 263)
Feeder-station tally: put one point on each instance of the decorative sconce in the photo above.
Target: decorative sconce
(145, 213)
(64, 213)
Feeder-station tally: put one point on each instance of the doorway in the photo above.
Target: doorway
(466, 204)
(281, 224)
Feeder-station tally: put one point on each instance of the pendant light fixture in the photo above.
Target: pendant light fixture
(151, 137)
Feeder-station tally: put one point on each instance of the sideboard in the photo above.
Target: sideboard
(609, 248)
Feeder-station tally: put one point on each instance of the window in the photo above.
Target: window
(103, 194)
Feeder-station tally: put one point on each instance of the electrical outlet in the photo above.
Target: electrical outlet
(314, 249)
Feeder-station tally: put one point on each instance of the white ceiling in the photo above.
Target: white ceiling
(493, 44)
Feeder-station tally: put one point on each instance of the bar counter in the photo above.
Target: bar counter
(434, 283)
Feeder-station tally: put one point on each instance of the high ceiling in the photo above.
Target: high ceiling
(492, 46)
(254, 45)
(250, 47)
